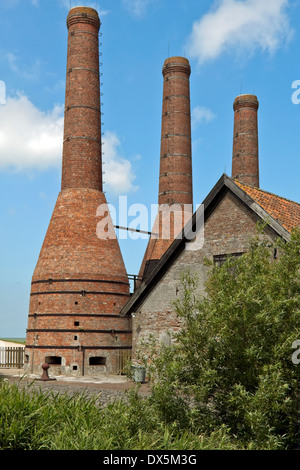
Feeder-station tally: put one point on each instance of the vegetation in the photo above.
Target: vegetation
(227, 381)
(231, 364)
(31, 420)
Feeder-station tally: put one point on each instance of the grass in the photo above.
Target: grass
(14, 340)
(35, 420)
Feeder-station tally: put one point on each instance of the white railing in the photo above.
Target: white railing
(12, 357)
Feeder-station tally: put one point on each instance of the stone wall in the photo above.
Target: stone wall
(228, 229)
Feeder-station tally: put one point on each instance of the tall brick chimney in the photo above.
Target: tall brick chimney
(175, 175)
(82, 166)
(175, 179)
(245, 159)
(80, 283)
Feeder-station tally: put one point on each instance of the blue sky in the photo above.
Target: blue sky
(249, 46)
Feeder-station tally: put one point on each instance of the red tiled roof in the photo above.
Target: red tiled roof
(286, 212)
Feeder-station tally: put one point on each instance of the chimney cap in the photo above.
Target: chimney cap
(82, 14)
(177, 59)
(176, 62)
(246, 100)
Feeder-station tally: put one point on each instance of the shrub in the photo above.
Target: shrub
(231, 363)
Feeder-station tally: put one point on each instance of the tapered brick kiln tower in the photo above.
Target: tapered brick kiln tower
(80, 283)
(175, 175)
(245, 159)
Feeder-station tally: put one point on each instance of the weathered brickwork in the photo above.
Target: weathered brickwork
(245, 164)
(80, 282)
(228, 229)
(82, 319)
(175, 180)
(175, 174)
(82, 131)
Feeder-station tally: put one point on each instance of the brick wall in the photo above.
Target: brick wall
(78, 278)
(227, 230)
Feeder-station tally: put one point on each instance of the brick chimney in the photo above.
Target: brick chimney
(80, 282)
(82, 166)
(175, 179)
(175, 175)
(245, 159)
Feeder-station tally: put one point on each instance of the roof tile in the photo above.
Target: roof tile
(286, 212)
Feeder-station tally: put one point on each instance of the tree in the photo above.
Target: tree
(231, 363)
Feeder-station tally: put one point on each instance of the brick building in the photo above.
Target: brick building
(228, 216)
(80, 282)
(82, 319)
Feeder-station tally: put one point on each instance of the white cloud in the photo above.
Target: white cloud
(137, 8)
(31, 139)
(118, 174)
(27, 72)
(201, 114)
(240, 26)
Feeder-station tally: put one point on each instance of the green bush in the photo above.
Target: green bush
(231, 363)
(31, 420)
(227, 381)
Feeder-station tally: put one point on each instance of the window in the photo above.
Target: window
(219, 260)
(53, 360)
(76, 323)
(97, 361)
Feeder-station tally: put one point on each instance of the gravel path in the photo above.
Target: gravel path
(105, 392)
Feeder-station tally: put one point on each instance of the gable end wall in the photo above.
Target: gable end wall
(228, 229)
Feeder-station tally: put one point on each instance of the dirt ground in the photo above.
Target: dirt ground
(8, 344)
(107, 388)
